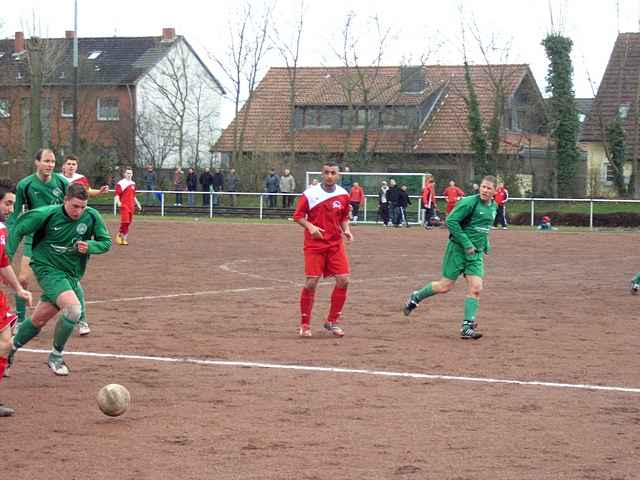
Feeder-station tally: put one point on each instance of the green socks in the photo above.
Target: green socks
(471, 305)
(26, 332)
(423, 293)
(21, 308)
(64, 329)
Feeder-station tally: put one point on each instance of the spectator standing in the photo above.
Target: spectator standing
(287, 185)
(272, 186)
(453, 194)
(178, 185)
(501, 197)
(393, 197)
(428, 200)
(150, 179)
(403, 202)
(383, 203)
(206, 180)
(192, 186)
(217, 184)
(356, 198)
(233, 184)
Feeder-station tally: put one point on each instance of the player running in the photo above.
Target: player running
(64, 236)
(125, 198)
(45, 187)
(323, 211)
(7, 199)
(469, 225)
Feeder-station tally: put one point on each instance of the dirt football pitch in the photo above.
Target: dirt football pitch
(199, 321)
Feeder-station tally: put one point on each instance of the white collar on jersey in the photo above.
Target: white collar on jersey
(316, 194)
(124, 183)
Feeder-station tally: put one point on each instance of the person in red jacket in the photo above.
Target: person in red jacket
(125, 198)
(453, 193)
(501, 197)
(428, 200)
(356, 198)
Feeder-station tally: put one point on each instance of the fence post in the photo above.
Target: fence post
(365, 209)
(533, 211)
(210, 204)
(261, 198)
(591, 214)
(161, 203)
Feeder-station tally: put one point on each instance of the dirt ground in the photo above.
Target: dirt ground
(555, 308)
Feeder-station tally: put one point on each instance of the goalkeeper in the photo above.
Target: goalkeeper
(469, 225)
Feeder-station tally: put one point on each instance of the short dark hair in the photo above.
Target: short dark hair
(6, 186)
(41, 152)
(77, 190)
(71, 156)
(490, 178)
(330, 163)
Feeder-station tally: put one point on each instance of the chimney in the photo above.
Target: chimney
(168, 34)
(69, 34)
(19, 42)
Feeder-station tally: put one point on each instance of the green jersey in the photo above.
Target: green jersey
(55, 236)
(470, 222)
(31, 192)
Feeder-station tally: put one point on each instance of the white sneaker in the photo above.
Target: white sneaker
(57, 365)
(83, 328)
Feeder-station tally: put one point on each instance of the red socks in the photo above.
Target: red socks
(338, 297)
(124, 228)
(306, 304)
(3, 366)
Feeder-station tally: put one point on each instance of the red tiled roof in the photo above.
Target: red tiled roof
(269, 121)
(619, 86)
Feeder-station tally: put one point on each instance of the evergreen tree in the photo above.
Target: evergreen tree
(474, 123)
(615, 141)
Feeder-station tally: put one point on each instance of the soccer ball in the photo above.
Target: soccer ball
(113, 399)
(635, 288)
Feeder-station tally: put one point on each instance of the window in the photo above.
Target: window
(399, 117)
(5, 108)
(623, 110)
(108, 109)
(607, 172)
(95, 54)
(66, 108)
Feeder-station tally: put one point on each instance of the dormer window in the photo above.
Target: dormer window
(623, 110)
(18, 56)
(95, 54)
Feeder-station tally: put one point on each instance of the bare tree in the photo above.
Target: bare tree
(242, 66)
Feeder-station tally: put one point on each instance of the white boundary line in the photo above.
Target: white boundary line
(355, 371)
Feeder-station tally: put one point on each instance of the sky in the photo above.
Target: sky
(510, 29)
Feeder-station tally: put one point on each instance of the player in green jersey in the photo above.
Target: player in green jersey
(469, 225)
(45, 187)
(64, 236)
(635, 284)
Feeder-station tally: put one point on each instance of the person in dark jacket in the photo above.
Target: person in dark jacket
(393, 197)
(192, 186)
(272, 185)
(206, 180)
(218, 185)
(403, 202)
(383, 204)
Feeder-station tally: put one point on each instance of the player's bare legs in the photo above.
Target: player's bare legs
(432, 288)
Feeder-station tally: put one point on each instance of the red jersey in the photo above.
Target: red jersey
(453, 194)
(325, 210)
(501, 196)
(428, 196)
(357, 195)
(4, 262)
(126, 190)
(78, 178)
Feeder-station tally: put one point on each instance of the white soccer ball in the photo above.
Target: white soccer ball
(113, 399)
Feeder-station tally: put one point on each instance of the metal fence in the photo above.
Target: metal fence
(262, 205)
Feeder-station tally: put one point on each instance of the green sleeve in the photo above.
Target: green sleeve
(27, 224)
(457, 215)
(101, 242)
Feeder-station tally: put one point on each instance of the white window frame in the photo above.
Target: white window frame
(99, 112)
(604, 173)
(62, 112)
(5, 108)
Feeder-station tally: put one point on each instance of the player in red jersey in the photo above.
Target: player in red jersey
(428, 200)
(125, 198)
(70, 173)
(501, 197)
(453, 194)
(7, 199)
(323, 211)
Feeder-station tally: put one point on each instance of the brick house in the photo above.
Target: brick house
(114, 75)
(617, 98)
(404, 118)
